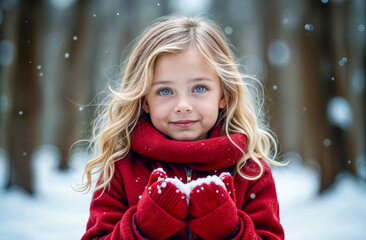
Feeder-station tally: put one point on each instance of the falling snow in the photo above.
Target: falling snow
(340, 112)
(279, 53)
(7, 52)
(361, 28)
(228, 30)
(340, 212)
(327, 142)
(309, 27)
(342, 61)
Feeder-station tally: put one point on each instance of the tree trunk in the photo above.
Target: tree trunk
(23, 123)
(322, 51)
(271, 32)
(8, 35)
(73, 87)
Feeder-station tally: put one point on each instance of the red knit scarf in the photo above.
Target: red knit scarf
(215, 152)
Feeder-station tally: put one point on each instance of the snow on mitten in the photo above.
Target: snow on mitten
(162, 209)
(212, 212)
(227, 179)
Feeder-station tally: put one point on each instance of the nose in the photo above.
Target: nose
(183, 105)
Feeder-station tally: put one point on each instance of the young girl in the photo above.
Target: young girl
(181, 147)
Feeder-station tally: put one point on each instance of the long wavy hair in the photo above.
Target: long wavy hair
(243, 113)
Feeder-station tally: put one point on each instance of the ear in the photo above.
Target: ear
(146, 107)
(222, 103)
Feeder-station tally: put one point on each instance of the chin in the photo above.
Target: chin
(187, 138)
(184, 138)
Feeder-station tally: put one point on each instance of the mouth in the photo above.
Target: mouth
(184, 123)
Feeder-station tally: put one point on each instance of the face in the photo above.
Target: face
(185, 96)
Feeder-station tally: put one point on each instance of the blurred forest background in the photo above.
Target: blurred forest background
(57, 55)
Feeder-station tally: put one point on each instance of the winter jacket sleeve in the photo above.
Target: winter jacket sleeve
(110, 215)
(259, 215)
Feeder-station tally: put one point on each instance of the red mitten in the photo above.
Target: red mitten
(162, 209)
(212, 212)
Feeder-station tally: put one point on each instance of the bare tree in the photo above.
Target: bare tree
(23, 123)
(74, 82)
(326, 142)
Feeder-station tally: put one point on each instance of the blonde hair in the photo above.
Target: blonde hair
(172, 35)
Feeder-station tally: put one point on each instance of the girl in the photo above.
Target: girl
(181, 148)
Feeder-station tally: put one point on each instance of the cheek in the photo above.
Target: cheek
(159, 106)
(210, 111)
(159, 110)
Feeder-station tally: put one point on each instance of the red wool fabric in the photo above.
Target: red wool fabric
(159, 200)
(212, 212)
(113, 210)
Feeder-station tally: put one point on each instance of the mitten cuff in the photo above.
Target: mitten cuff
(136, 229)
(157, 224)
(219, 224)
(237, 230)
(128, 228)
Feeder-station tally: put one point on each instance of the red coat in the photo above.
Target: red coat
(112, 210)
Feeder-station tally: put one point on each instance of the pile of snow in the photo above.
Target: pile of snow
(338, 214)
(58, 212)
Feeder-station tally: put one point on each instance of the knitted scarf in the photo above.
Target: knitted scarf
(215, 152)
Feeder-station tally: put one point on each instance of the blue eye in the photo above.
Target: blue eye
(164, 92)
(199, 89)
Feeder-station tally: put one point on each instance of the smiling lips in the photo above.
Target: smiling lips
(184, 123)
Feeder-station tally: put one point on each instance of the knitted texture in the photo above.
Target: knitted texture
(202, 155)
(113, 210)
(162, 210)
(212, 212)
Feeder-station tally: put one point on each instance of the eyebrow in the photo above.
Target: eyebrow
(196, 79)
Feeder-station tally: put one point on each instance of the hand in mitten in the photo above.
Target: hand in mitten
(162, 209)
(212, 210)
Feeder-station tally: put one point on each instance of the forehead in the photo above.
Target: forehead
(190, 62)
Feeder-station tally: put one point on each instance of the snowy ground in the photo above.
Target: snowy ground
(58, 212)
